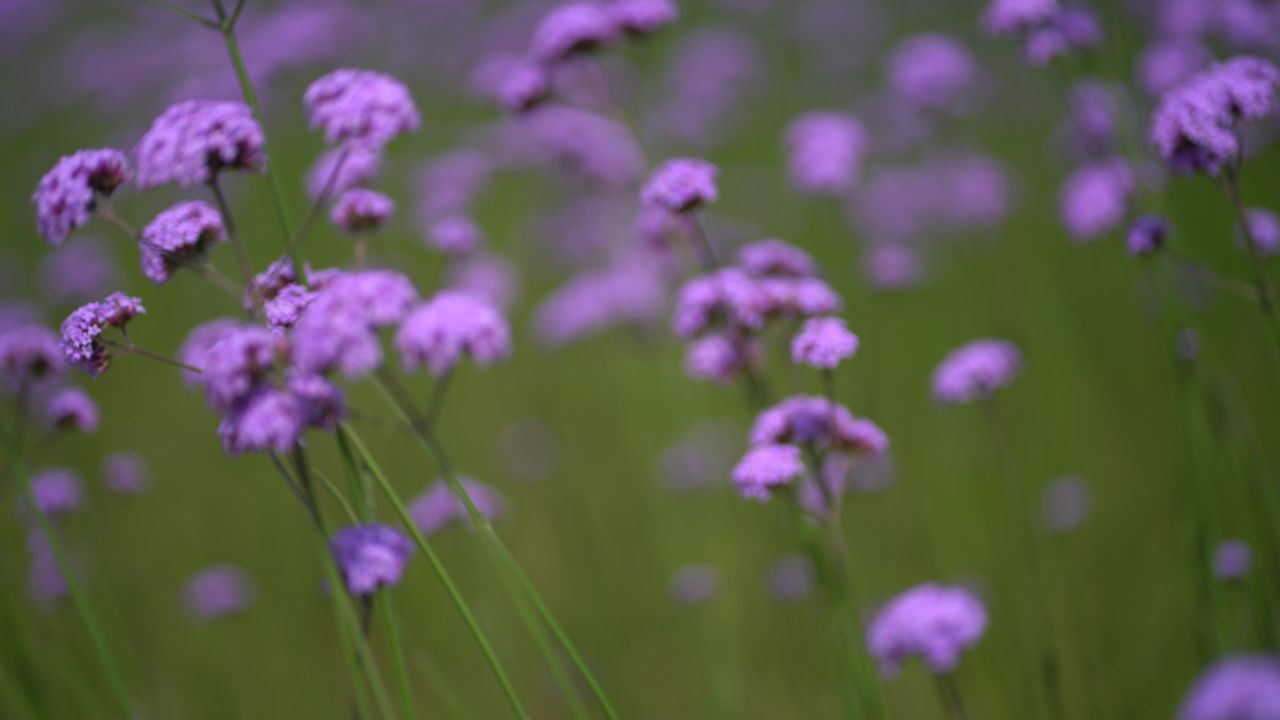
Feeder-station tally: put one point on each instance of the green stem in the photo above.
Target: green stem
(1265, 297)
(237, 244)
(371, 466)
(397, 653)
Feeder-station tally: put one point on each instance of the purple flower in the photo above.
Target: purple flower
(523, 86)
(179, 236)
(765, 467)
(57, 491)
(1264, 229)
(822, 343)
(437, 506)
(370, 557)
(808, 419)
(638, 18)
(825, 152)
(931, 71)
(1232, 560)
(81, 330)
(892, 265)
(681, 185)
(1093, 112)
(45, 580)
(800, 297)
(455, 235)
(340, 169)
(199, 340)
(125, 473)
(72, 408)
(728, 294)
(1095, 198)
(359, 210)
(1165, 64)
(1009, 17)
(29, 354)
(484, 276)
(451, 324)
(693, 584)
(932, 622)
(1194, 126)
(234, 364)
(571, 29)
(1065, 504)
(338, 328)
(449, 183)
(217, 592)
(269, 420)
(631, 290)
(77, 272)
(1240, 687)
(1147, 235)
(191, 142)
(321, 403)
(360, 105)
(975, 371)
(283, 310)
(582, 143)
(67, 194)
(1069, 29)
(719, 358)
(775, 258)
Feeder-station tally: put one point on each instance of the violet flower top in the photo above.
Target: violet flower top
(1069, 30)
(1240, 687)
(342, 168)
(822, 343)
(235, 364)
(72, 408)
(975, 371)
(571, 30)
(798, 297)
(125, 473)
(370, 556)
(217, 592)
(775, 258)
(932, 622)
(57, 491)
(718, 358)
(438, 506)
(524, 86)
(29, 354)
(192, 141)
(81, 330)
(1232, 560)
(825, 152)
(179, 236)
(337, 330)
(442, 330)
(1008, 17)
(638, 18)
(1264, 230)
(67, 194)
(805, 419)
(1147, 235)
(682, 185)
(455, 235)
(1194, 126)
(268, 420)
(198, 342)
(764, 468)
(1095, 198)
(360, 105)
(359, 210)
(932, 71)
(728, 294)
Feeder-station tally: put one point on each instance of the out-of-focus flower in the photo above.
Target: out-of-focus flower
(825, 152)
(198, 342)
(217, 592)
(67, 195)
(72, 408)
(81, 330)
(45, 580)
(77, 271)
(179, 236)
(728, 295)
(360, 210)
(693, 584)
(581, 143)
(447, 184)
(822, 343)
(1264, 230)
(932, 622)
(337, 329)
(931, 71)
(1008, 17)
(361, 106)
(638, 18)
(1165, 64)
(1069, 30)
(29, 354)
(523, 86)
(892, 265)
(57, 491)
(1232, 560)
(370, 557)
(976, 370)
(438, 333)
(682, 185)
(1095, 109)
(720, 358)
(438, 506)
(234, 363)
(342, 168)
(269, 420)
(125, 473)
(1147, 235)
(766, 467)
(191, 142)
(808, 419)
(1066, 504)
(1095, 198)
(630, 290)
(572, 29)
(485, 276)
(455, 235)
(710, 73)
(1240, 687)
(775, 258)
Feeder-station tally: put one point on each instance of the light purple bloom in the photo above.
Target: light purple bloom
(338, 328)
(822, 343)
(81, 330)
(1165, 64)
(932, 622)
(268, 420)
(975, 371)
(76, 272)
(179, 236)
(638, 18)
(585, 144)
(630, 290)
(125, 473)
(1095, 198)
(825, 152)
(67, 194)
(1065, 504)
(234, 364)
(1007, 17)
(893, 265)
(438, 506)
(57, 491)
(284, 309)
(72, 408)
(798, 297)
(29, 354)
(449, 183)
(809, 419)
(571, 29)
(1264, 229)
(455, 235)
(438, 333)
(360, 106)
(728, 294)
(199, 340)
(1232, 560)
(682, 185)
(766, 467)
(719, 358)
(523, 86)
(775, 258)
(1147, 235)
(1070, 29)
(217, 592)
(693, 584)
(342, 168)
(931, 71)
(192, 141)
(360, 210)
(1240, 687)
(370, 557)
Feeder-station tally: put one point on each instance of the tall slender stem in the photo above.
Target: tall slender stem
(237, 244)
(129, 347)
(952, 700)
(1266, 300)
(387, 608)
(436, 402)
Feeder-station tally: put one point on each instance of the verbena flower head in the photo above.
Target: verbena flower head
(798, 297)
(269, 420)
(76, 272)
(81, 330)
(342, 168)
(179, 236)
(1194, 126)
(931, 71)
(523, 86)
(57, 491)
(217, 592)
(192, 141)
(360, 210)
(198, 342)
(1232, 560)
(1147, 235)
(638, 18)
(1240, 687)
(1008, 17)
(1167, 63)
(370, 557)
(72, 409)
(766, 467)
(338, 329)
(775, 258)
(438, 506)
(682, 185)
(975, 371)
(1069, 30)
(66, 196)
(933, 622)
(361, 106)
(321, 403)
(728, 296)
(234, 364)
(442, 330)
(825, 152)
(570, 30)
(125, 473)
(720, 357)
(822, 343)
(29, 355)
(1095, 198)
(809, 419)
(1264, 229)
(455, 235)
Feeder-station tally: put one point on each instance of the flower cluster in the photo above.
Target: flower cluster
(826, 152)
(68, 194)
(438, 506)
(975, 371)
(179, 236)
(192, 141)
(361, 107)
(1241, 687)
(81, 331)
(932, 622)
(452, 324)
(370, 557)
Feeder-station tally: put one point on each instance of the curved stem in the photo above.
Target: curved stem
(135, 350)
(1265, 297)
(237, 244)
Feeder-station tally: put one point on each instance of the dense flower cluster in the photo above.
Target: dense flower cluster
(826, 152)
(439, 332)
(1241, 687)
(932, 622)
(192, 141)
(361, 106)
(976, 370)
(822, 343)
(179, 236)
(81, 331)
(370, 557)
(68, 194)
(359, 210)
(29, 354)
(681, 185)
(438, 506)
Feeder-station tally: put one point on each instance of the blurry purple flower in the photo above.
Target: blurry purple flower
(808, 419)
(284, 309)
(29, 354)
(1232, 560)
(451, 324)
(342, 168)
(455, 235)
(485, 276)
(125, 473)
(179, 236)
(933, 622)
(822, 343)
(234, 364)
(199, 340)
(693, 584)
(571, 29)
(82, 328)
(775, 258)
(1147, 235)
(702, 458)
(57, 491)
(67, 195)
(728, 294)
(361, 106)
(529, 450)
(268, 420)
(1183, 19)
(1069, 30)
(791, 579)
(709, 73)
(892, 265)
(337, 329)
(638, 18)
(931, 71)
(191, 142)
(583, 143)
(1095, 198)
(370, 557)
(523, 86)
(217, 592)
(1008, 17)
(1095, 108)
(765, 467)
(76, 272)
(1248, 23)
(72, 408)
(438, 506)
(825, 152)
(320, 403)
(976, 189)
(681, 185)
(45, 581)
(359, 210)
(1239, 687)
(719, 358)
(975, 371)
(798, 298)
(1165, 64)
(1066, 504)
(448, 183)
(1264, 229)
(629, 290)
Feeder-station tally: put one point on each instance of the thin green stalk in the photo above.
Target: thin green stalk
(455, 595)
(444, 692)
(952, 700)
(237, 243)
(337, 496)
(425, 438)
(387, 609)
(1265, 297)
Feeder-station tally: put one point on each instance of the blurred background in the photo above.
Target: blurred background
(1143, 384)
